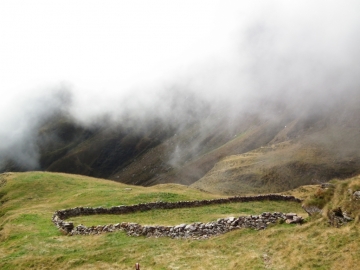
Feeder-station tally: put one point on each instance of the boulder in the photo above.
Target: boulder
(311, 209)
(290, 215)
(68, 226)
(356, 195)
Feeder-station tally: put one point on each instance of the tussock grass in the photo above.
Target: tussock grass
(275, 168)
(28, 239)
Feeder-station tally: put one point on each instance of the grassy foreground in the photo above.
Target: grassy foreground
(29, 240)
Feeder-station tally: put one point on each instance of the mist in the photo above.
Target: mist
(177, 63)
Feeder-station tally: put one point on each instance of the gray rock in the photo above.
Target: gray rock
(311, 209)
(356, 195)
(290, 215)
(68, 226)
(347, 217)
(181, 226)
(190, 227)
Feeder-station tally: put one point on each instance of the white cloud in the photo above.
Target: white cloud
(117, 55)
(108, 46)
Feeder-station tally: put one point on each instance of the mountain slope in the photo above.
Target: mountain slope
(28, 239)
(303, 152)
(281, 150)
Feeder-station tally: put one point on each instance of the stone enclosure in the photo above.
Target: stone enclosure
(195, 230)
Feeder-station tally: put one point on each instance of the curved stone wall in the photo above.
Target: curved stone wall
(194, 230)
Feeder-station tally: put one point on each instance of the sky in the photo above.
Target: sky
(103, 50)
(109, 46)
(94, 57)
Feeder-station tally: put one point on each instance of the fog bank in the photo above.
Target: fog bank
(177, 63)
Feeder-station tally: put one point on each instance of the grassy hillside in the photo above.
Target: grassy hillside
(276, 168)
(186, 157)
(28, 239)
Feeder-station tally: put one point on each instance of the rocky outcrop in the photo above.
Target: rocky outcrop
(356, 195)
(311, 209)
(195, 230)
(338, 217)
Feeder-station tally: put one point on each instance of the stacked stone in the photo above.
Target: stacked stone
(122, 209)
(256, 222)
(292, 218)
(196, 230)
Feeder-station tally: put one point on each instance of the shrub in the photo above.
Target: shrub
(321, 197)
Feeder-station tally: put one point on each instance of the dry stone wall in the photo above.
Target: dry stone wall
(195, 230)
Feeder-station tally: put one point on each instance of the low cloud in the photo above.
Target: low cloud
(300, 56)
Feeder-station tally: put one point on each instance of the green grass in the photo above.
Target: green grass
(29, 240)
(188, 215)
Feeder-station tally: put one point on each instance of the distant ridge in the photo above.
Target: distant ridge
(251, 154)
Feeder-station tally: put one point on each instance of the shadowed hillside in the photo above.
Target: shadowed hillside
(246, 153)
